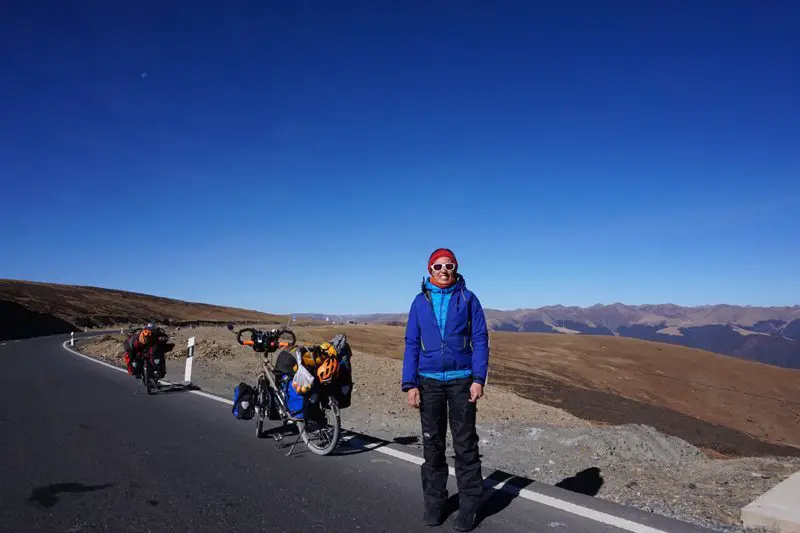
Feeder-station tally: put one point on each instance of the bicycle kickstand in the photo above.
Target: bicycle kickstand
(299, 435)
(277, 436)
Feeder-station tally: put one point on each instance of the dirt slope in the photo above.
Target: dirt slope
(33, 308)
(716, 402)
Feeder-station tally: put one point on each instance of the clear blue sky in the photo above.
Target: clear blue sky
(308, 156)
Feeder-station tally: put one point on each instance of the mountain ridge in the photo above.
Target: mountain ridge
(757, 333)
(32, 308)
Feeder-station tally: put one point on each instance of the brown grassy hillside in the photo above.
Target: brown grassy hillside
(42, 308)
(716, 402)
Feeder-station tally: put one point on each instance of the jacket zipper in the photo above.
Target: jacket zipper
(441, 334)
(430, 301)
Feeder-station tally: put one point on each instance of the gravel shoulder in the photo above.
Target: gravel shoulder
(630, 464)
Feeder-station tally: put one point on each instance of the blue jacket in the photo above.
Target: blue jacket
(449, 342)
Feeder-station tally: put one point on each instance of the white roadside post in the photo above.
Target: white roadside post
(187, 377)
(72, 338)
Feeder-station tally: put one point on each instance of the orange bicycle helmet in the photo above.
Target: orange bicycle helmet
(144, 336)
(327, 370)
(327, 348)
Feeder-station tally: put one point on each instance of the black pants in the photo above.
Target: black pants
(440, 401)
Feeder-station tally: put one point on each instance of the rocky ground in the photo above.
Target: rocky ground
(629, 464)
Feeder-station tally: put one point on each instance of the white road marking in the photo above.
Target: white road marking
(92, 359)
(163, 381)
(562, 505)
(212, 397)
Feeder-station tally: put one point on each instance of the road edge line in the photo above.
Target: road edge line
(92, 359)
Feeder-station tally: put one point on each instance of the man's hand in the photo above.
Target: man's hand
(413, 398)
(475, 392)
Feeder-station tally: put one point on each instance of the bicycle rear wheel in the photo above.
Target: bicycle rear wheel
(146, 376)
(321, 433)
(261, 402)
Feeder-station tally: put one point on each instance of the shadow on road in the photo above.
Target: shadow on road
(289, 430)
(586, 482)
(47, 496)
(498, 499)
(175, 387)
(356, 445)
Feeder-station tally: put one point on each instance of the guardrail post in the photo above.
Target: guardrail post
(72, 338)
(187, 377)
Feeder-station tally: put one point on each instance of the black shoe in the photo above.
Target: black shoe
(434, 514)
(466, 519)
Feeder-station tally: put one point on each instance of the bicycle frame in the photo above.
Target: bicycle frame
(268, 372)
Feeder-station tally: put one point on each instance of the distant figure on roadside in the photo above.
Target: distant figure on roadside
(444, 370)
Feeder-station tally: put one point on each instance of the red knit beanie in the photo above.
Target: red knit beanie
(442, 252)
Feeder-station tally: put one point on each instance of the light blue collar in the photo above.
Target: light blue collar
(433, 288)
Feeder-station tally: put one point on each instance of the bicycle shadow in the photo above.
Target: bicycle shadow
(281, 431)
(284, 437)
(172, 388)
(355, 443)
(351, 442)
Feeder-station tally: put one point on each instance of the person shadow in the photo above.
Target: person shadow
(588, 482)
(498, 499)
(503, 488)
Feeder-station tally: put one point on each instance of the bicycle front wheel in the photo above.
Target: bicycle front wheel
(322, 431)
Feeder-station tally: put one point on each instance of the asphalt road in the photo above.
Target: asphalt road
(80, 451)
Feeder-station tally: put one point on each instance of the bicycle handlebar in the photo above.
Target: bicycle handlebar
(266, 341)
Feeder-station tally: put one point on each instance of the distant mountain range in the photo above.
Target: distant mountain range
(768, 335)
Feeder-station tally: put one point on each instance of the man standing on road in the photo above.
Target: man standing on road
(444, 370)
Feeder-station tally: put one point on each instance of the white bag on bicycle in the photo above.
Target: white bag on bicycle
(303, 379)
